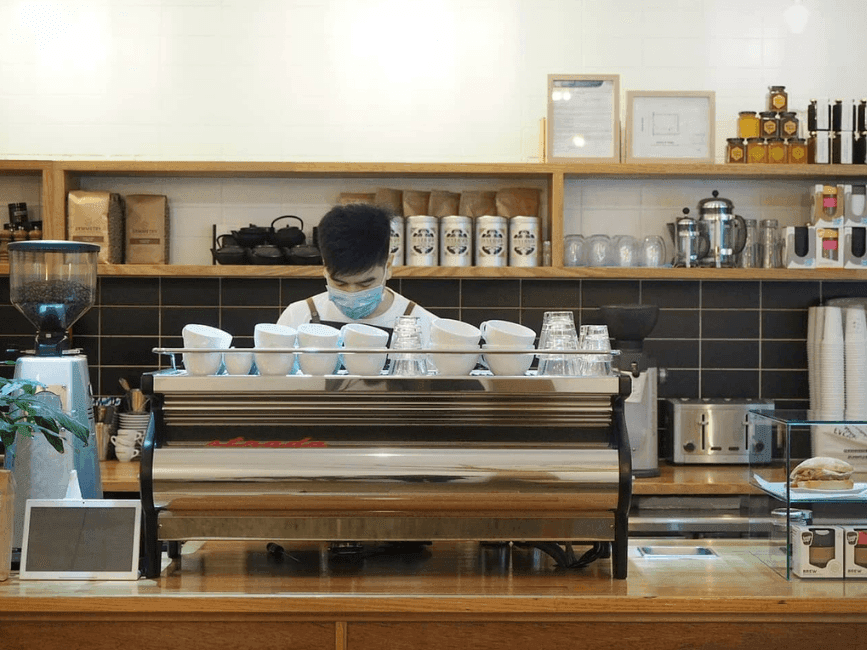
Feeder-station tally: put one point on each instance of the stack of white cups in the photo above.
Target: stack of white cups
(815, 317)
(855, 360)
(831, 369)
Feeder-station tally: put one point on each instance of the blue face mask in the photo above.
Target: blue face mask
(356, 304)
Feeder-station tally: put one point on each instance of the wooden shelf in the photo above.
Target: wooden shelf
(474, 272)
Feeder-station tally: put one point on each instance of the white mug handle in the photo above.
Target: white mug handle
(483, 328)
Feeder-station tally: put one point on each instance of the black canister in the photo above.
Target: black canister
(18, 214)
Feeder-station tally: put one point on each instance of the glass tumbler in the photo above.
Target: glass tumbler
(558, 333)
(625, 250)
(770, 244)
(574, 251)
(595, 338)
(407, 336)
(598, 250)
(653, 251)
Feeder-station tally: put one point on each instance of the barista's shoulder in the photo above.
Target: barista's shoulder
(298, 312)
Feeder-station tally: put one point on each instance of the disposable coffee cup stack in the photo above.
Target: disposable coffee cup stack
(831, 371)
(855, 363)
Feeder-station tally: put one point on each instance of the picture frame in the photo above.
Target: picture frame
(670, 126)
(583, 118)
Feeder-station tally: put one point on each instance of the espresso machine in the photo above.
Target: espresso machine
(628, 326)
(53, 283)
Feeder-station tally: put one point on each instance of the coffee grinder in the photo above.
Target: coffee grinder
(628, 326)
(53, 283)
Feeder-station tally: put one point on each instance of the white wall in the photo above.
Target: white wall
(382, 80)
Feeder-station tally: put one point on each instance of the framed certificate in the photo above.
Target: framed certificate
(583, 118)
(670, 127)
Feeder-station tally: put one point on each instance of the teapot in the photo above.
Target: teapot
(290, 235)
(266, 254)
(227, 251)
(726, 231)
(250, 236)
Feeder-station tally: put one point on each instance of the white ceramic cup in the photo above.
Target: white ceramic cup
(359, 335)
(453, 365)
(126, 454)
(238, 363)
(451, 332)
(317, 335)
(505, 333)
(271, 335)
(202, 363)
(508, 365)
(204, 336)
(127, 437)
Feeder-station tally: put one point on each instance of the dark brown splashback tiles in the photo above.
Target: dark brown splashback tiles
(173, 319)
(130, 320)
(730, 295)
(241, 321)
(491, 293)
(673, 354)
(88, 324)
(190, 291)
(128, 350)
(786, 384)
(129, 291)
(679, 383)
(551, 294)
(243, 292)
(677, 324)
(856, 289)
(740, 384)
(784, 325)
(13, 321)
(595, 293)
(672, 294)
(790, 295)
(4, 290)
(432, 293)
(784, 354)
(730, 324)
(294, 289)
(729, 354)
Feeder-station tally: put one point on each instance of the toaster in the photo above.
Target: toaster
(716, 431)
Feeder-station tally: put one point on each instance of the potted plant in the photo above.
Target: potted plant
(24, 413)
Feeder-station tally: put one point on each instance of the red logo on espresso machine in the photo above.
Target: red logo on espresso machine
(267, 444)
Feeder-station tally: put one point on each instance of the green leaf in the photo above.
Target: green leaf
(54, 441)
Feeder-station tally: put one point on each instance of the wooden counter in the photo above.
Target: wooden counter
(459, 595)
(673, 480)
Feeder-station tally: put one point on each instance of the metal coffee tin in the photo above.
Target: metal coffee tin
(524, 241)
(422, 239)
(492, 235)
(397, 242)
(456, 241)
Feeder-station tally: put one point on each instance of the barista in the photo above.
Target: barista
(354, 242)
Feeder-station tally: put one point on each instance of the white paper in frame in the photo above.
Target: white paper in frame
(583, 118)
(670, 127)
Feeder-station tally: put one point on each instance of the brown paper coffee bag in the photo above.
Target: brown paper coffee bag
(391, 200)
(415, 202)
(97, 218)
(518, 202)
(478, 203)
(346, 198)
(444, 204)
(147, 229)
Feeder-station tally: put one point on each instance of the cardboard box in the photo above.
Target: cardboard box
(817, 551)
(855, 551)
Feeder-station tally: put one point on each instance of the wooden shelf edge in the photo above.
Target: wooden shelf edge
(438, 272)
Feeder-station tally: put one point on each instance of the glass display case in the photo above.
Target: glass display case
(799, 435)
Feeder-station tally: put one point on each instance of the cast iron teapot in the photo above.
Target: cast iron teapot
(289, 236)
(251, 235)
(228, 251)
(266, 254)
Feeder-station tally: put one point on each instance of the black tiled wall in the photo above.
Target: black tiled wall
(714, 338)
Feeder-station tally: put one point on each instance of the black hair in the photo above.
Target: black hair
(354, 238)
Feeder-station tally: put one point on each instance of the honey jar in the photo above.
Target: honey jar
(777, 151)
(749, 125)
(778, 99)
(736, 151)
(819, 148)
(789, 125)
(757, 150)
(769, 124)
(797, 151)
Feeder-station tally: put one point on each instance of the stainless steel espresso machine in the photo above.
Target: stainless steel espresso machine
(529, 459)
(53, 283)
(629, 325)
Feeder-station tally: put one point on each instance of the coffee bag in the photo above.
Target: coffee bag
(97, 218)
(147, 229)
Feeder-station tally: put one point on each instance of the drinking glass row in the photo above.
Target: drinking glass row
(620, 250)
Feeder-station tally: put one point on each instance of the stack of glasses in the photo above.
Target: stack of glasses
(407, 336)
(558, 333)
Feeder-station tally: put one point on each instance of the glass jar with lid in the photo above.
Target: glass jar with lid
(819, 148)
(749, 125)
(757, 150)
(789, 124)
(797, 151)
(778, 99)
(777, 151)
(769, 125)
(736, 150)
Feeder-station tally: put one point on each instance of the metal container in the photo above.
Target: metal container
(492, 235)
(422, 237)
(456, 241)
(525, 236)
(690, 244)
(726, 231)
(397, 245)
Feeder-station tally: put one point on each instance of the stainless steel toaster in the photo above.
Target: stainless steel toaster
(716, 431)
